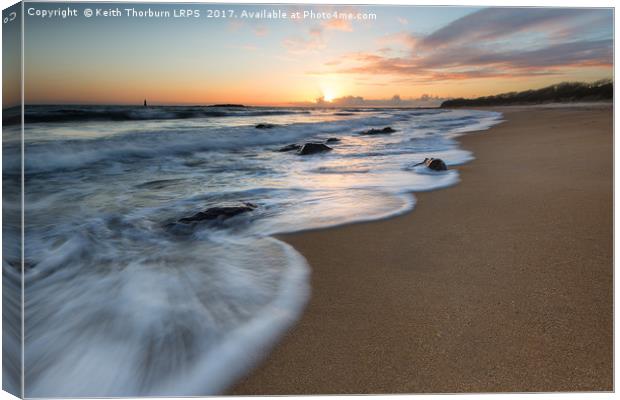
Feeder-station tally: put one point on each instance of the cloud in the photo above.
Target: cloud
(470, 47)
(586, 27)
(402, 21)
(300, 45)
(333, 62)
(597, 52)
(261, 31)
(338, 24)
(406, 39)
(316, 41)
(493, 23)
(425, 100)
(475, 63)
(316, 32)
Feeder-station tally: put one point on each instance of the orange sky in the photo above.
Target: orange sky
(406, 51)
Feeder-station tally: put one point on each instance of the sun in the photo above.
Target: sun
(330, 89)
(328, 95)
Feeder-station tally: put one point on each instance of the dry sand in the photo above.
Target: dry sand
(501, 283)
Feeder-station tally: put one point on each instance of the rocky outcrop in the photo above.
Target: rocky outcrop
(265, 126)
(332, 140)
(290, 147)
(219, 213)
(313, 148)
(436, 164)
(385, 131)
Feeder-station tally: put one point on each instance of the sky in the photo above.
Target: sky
(407, 55)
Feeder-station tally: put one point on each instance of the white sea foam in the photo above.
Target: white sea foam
(123, 301)
(177, 322)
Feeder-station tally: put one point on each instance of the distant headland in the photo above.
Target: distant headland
(228, 105)
(566, 92)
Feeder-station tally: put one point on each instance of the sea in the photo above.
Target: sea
(122, 299)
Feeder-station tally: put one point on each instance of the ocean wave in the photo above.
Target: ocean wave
(56, 114)
(147, 316)
(119, 304)
(67, 154)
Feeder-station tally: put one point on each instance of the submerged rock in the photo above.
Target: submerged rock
(222, 212)
(436, 164)
(385, 131)
(290, 147)
(265, 126)
(332, 140)
(313, 148)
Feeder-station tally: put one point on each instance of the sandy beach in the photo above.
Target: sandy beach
(501, 283)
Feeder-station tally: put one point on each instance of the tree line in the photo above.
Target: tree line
(560, 93)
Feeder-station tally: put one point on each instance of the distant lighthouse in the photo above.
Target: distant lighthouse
(145, 105)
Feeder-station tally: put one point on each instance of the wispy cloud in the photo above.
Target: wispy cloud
(299, 45)
(483, 45)
(333, 62)
(339, 25)
(577, 53)
(261, 30)
(493, 23)
(406, 39)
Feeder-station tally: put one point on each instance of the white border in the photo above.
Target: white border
(488, 3)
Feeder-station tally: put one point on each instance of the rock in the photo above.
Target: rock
(385, 131)
(223, 212)
(265, 126)
(436, 164)
(313, 148)
(332, 140)
(290, 147)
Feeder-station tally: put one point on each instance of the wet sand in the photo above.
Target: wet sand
(501, 283)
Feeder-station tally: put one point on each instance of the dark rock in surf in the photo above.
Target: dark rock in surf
(332, 140)
(385, 131)
(289, 147)
(219, 213)
(313, 148)
(436, 164)
(265, 126)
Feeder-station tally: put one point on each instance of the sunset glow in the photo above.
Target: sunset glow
(405, 54)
